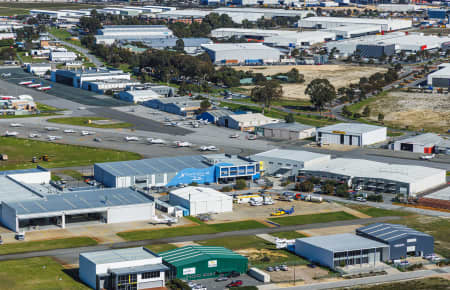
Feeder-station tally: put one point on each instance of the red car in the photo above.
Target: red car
(236, 283)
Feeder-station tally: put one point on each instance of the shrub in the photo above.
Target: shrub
(177, 284)
(193, 183)
(226, 189)
(327, 188)
(342, 190)
(305, 186)
(240, 184)
(314, 180)
(375, 197)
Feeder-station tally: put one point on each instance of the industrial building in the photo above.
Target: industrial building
(130, 268)
(402, 241)
(333, 22)
(398, 7)
(342, 250)
(441, 77)
(282, 161)
(184, 106)
(201, 200)
(112, 33)
(76, 78)
(352, 31)
(424, 143)
(353, 134)
(20, 105)
(63, 56)
(213, 116)
(245, 122)
(286, 131)
(172, 171)
(439, 199)
(139, 96)
(187, 16)
(247, 53)
(39, 69)
(267, 13)
(199, 262)
(377, 176)
(102, 86)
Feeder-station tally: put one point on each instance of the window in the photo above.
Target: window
(270, 162)
(122, 279)
(279, 163)
(149, 275)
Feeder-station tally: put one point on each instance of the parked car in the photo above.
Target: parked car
(236, 283)
(284, 268)
(269, 269)
(221, 279)
(276, 268)
(233, 274)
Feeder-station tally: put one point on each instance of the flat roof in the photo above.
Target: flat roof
(443, 194)
(140, 269)
(288, 126)
(21, 171)
(342, 242)
(153, 165)
(79, 200)
(349, 128)
(13, 191)
(119, 255)
(355, 20)
(238, 46)
(374, 169)
(251, 117)
(191, 254)
(295, 155)
(428, 139)
(196, 193)
(389, 232)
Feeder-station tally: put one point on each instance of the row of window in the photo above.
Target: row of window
(280, 164)
(149, 275)
(354, 253)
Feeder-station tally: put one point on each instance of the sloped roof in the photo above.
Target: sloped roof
(193, 254)
(389, 232)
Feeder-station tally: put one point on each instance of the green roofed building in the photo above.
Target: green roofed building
(198, 262)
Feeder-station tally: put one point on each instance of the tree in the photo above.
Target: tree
(179, 46)
(327, 188)
(240, 184)
(305, 186)
(295, 77)
(342, 190)
(205, 105)
(366, 111)
(380, 117)
(346, 111)
(266, 94)
(289, 118)
(321, 92)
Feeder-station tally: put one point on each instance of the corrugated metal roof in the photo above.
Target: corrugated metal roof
(140, 269)
(78, 200)
(443, 194)
(288, 126)
(428, 139)
(119, 255)
(13, 191)
(295, 155)
(343, 242)
(153, 165)
(220, 113)
(389, 232)
(349, 128)
(192, 254)
(20, 171)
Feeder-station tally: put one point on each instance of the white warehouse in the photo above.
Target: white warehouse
(353, 134)
(201, 200)
(333, 22)
(254, 53)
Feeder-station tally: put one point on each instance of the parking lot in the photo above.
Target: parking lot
(212, 284)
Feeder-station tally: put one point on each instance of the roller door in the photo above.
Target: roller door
(347, 140)
(284, 134)
(150, 284)
(356, 141)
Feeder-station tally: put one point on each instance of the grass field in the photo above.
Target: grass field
(288, 235)
(63, 35)
(46, 245)
(17, 8)
(378, 212)
(42, 273)
(21, 151)
(189, 231)
(84, 121)
(312, 218)
(158, 248)
(435, 283)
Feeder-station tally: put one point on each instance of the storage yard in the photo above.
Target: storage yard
(338, 75)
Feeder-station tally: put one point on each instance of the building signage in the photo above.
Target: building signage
(212, 264)
(189, 271)
(338, 132)
(399, 245)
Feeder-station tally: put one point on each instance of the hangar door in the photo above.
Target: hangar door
(199, 207)
(150, 284)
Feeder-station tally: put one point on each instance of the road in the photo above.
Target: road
(71, 255)
(366, 281)
(92, 58)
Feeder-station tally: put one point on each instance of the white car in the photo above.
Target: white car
(54, 138)
(155, 141)
(208, 148)
(427, 157)
(69, 131)
(85, 133)
(16, 125)
(132, 138)
(183, 144)
(34, 135)
(51, 128)
(11, 134)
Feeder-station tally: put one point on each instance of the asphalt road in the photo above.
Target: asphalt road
(71, 255)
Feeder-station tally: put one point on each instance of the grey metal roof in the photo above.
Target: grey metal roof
(140, 269)
(428, 139)
(79, 200)
(294, 155)
(219, 113)
(153, 165)
(119, 255)
(342, 242)
(389, 232)
(443, 194)
(287, 126)
(20, 171)
(350, 128)
(12, 191)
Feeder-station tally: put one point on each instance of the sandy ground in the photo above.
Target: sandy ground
(301, 272)
(330, 231)
(338, 75)
(416, 110)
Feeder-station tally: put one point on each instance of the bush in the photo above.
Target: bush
(193, 183)
(327, 188)
(375, 197)
(305, 186)
(314, 180)
(226, 189)
(177, 284)
(240, 184)
(342, 190)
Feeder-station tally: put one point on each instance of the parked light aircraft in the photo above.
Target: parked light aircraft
(25, 83)
(16, 125)
(155, 141)
(182, 144)
(208, 148)
(5, 75)
(45, 88)
(11, 134)
(54, 138)
(132, 138)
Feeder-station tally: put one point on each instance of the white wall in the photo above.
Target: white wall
(428, 182)
(87, 272)
(131, 213)
(9, 218)
(35, 177)
(374, 136)
(103, 268)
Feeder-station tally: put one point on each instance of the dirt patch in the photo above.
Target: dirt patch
(331, 230)
(338, 75)
(258, 254)
(301, 273)
(414, 110)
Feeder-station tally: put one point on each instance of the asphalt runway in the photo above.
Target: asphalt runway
(80, 96)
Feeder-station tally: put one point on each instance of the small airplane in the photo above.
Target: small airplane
(5, 75)
(132, 138)
(69, 131)
(85, 133)
(34, 135)
(208, 148)
(234, 136)
(54, 138)
(251, 137)
(34, 85)
(45, 88)
(281, 212)
(155, 141)
(11, 134)
(173, 124)
(16, 125)
(51, 128)
(182, 144)
(25, 83)
(427, 157)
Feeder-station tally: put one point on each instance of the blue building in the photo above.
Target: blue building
(172, 171)
(403, 241)
(213, 116)
(437, 13)
(184, 106)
